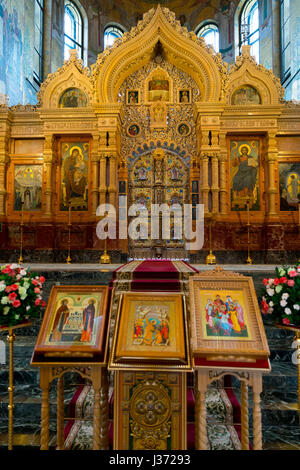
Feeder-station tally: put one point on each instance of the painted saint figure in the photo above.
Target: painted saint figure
(244, 180)
(75, 175)
(88, 321)
(61, 319)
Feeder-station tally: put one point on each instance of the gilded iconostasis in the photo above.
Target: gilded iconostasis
(159, 118)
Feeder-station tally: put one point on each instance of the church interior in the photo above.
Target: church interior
(138, 339)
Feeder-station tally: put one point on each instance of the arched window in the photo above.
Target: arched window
(249, 27)
(73, 30)
(111, 33)
(210, 33)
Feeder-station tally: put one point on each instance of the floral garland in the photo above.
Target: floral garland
(281, 296)
(20, 295)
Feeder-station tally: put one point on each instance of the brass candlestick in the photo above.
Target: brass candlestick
(210, 259)
(11, 338)
(68, 260)
(21, 234)
(249, 260)
(105, 258)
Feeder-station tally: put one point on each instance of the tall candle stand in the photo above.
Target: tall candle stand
(210, 259)
(11, 338)
(105, 258)
(249, 260)
(68, 260)
(21, 234)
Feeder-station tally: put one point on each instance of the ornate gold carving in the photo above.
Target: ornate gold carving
(150, 413)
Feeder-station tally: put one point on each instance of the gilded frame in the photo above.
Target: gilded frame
(83, 215)
(260, 178)
(233, 348)
(293, 214)
(24, 161)
(189, 90)
(125, 355)
(96, 332)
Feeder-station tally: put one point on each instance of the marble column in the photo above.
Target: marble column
(271, 161)
(49, 157)
(95, 174)
(257, 427)
(4, 159)
(222, 173)
(276, 35)
(215, 184)
(47, 37)
(205, 187)
(112, 179)
(102, 179)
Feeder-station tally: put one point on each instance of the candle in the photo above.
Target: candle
(22, 213)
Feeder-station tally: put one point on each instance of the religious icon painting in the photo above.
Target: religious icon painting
(225, 316)
(122, 187)
(74, 175)
(74, 322)
(184, 129)
(246, 94)
(133, 130)
(159, 87)
(150, 329)
(184, 96)
(195, 186)
(73, 98)
(289, 186)
(132, 97)
(28, 180)
(195, 199)
(244, 174)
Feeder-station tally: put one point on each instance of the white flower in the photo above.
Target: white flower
(298, 269)
(18, 277)
(2, 287)
(296, 307)
(283, 303)
(285, 296)
(287, 311)
(6, 310)
(281, 272)
(22, 292)
(14, 266)
(17, 316)
(4, 300)
(278, 289)
(28, 308)
(271, 304)
(271, 281)
(270, 292)
(26, 285)
(23, 272)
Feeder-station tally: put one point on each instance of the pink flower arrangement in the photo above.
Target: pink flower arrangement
(281, 296)
(20, 295)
